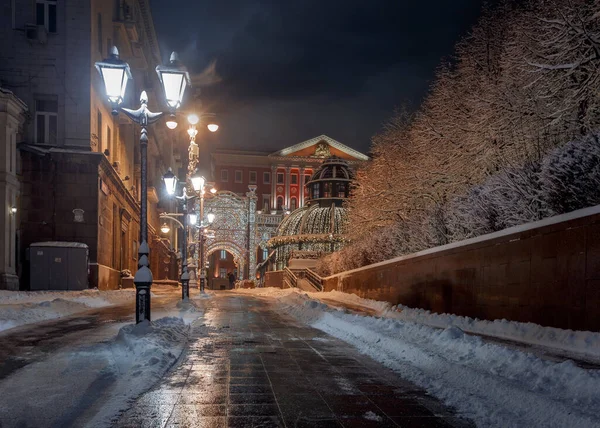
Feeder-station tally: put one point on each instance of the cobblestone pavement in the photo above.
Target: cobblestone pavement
(248, 366)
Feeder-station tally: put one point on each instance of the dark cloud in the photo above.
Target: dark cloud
(288, 71)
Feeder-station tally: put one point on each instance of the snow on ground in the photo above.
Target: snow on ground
(492, 384)
(25, 307)
(88, 385)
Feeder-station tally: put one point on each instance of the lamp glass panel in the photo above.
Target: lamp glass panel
(174, 85)
(170, 184)
(115, 83)
(193, 218)
(198, 183)
(210, 217)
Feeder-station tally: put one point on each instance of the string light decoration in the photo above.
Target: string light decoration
(320, 225)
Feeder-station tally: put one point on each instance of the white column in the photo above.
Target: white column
(287, 187)
(273, 188)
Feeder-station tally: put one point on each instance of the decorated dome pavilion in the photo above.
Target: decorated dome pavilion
(320, 225)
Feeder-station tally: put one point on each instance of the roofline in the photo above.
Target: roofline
(323, 137)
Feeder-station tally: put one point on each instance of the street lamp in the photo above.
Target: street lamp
(115, 74)
(193, 219)
(170, 181)
(199, 183)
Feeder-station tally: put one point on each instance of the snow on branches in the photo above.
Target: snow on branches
(486, 149)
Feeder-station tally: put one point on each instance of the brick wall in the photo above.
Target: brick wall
(548, 274)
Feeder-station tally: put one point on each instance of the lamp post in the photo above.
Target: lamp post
(199, 184)
(174, 78)
(170, 181)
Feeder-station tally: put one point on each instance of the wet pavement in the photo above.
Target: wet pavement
(248, 366)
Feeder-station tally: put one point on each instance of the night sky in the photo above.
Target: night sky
(280, 72)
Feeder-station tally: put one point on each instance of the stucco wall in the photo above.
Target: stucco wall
(548, 274)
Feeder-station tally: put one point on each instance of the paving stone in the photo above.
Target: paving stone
(247, 366)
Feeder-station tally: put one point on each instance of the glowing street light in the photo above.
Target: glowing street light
(170, 182)
(165, 228)
(115, 74)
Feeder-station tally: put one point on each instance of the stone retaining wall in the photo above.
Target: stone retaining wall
(546, 272)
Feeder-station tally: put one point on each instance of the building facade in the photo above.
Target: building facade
(78, 165)
(277, 183)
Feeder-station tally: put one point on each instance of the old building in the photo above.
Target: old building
(79, 165)
(247, 220)
(13, 113)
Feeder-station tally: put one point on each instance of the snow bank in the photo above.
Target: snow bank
(25, 307)
(91, 384)
(493, 385)
(583, 344)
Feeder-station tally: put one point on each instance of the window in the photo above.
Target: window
(306, 179)
(265, 202)
(265, 254)
(293, 204)
(316, 191)
(252, 177)
(327, 189)
(238, 176)
(280, 178)
(266, 177)
(294, 179)
(280, 203)
(223, 255)
(46, 116)
(99, 130)
(224, 175)
(45, 12)
(99, 32)
(341, 190)
(223, 273)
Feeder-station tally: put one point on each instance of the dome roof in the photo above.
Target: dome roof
(332, 168)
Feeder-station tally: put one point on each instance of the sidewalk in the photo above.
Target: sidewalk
(248, 366)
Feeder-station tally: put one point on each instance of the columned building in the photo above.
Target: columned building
(78, 165)
(278, 182)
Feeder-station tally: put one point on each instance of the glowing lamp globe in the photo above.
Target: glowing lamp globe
(174, 78)
(171, 122)
(212, 127)
(193, 119)
(165, 228)
(210, 217)
(193, 219)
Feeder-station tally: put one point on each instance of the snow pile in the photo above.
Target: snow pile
(579, 342)
(493, 385)
(25, 307)
(94, 382)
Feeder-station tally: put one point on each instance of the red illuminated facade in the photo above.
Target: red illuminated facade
(279, 177)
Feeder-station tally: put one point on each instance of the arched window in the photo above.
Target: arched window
(279, 203)
(293, 204)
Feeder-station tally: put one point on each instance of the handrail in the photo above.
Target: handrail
(313, 278)
(289, 278)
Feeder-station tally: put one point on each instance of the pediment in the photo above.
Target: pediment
(321, 147)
